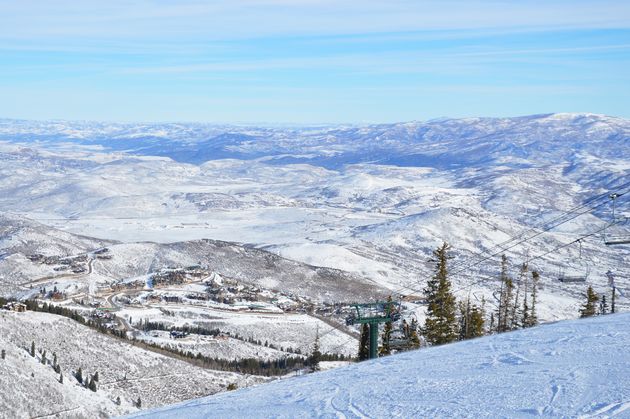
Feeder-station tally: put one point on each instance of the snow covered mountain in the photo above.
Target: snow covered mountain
(373, 200)
(568, 369)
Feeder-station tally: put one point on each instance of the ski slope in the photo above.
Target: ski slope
(577, 368)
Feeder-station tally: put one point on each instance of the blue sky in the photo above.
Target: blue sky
(311, 61)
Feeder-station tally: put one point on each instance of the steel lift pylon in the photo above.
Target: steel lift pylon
(373, 314)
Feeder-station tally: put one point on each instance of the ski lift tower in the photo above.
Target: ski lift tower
(373, 314)
(611, 283)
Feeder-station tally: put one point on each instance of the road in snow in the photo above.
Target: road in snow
(576, 368)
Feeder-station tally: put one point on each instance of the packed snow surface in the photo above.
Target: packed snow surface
(577, 368)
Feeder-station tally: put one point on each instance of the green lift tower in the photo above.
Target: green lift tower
(373, 314)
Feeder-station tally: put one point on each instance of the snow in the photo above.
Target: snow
(125, 371)
(575, 368)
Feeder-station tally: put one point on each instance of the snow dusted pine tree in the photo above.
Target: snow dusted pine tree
(441, 323)
(505, 298)
(516, 316)
(532, 317)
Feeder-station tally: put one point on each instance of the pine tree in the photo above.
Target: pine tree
(589, 307)
(96, 376)
(139, 403)
(414, 340)
(464, 309)
(33, 349)
(612, 300)
(441, 323)
(316, 355)
(79, 375)
(385, 339)
(505, 298)
(525, 310)
(515, 316)
(3, 354)
(385, 349)
(92, 384)
(477, 321)
(61, 378)
(117, 400)
(54, 363)
(532, 318)
(364, 342)
(471, 320)
(603, 306)
(43, 360)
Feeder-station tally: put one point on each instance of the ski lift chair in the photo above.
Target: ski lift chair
(617, 232)
(577, 271)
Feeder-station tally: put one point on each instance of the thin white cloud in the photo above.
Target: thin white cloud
(148, 21)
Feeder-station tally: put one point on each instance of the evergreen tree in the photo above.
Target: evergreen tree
(476, 322)
(525, 310)
(532, 317)
(414, 340)
(33, 349)
(612, 300)
(139, 403)
(54, 363)
(117, 400)
(92, 384)
(364, 342)
(43, 360)
(471, 320)
(516, 316)
(316, 355)
(505, 298)
(96, 376)
(603, 306)
(79, 375)
(61, 378)
(441, 323)
(3, 354)
(385, 349)
(385, 339)
(464, 317)
(589, 307)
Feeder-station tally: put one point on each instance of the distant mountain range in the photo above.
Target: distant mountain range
(373, 200)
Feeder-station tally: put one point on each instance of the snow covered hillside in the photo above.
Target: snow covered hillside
(576, 368)
(32, 388)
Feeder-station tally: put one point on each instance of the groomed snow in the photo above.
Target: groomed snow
(577, 368)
